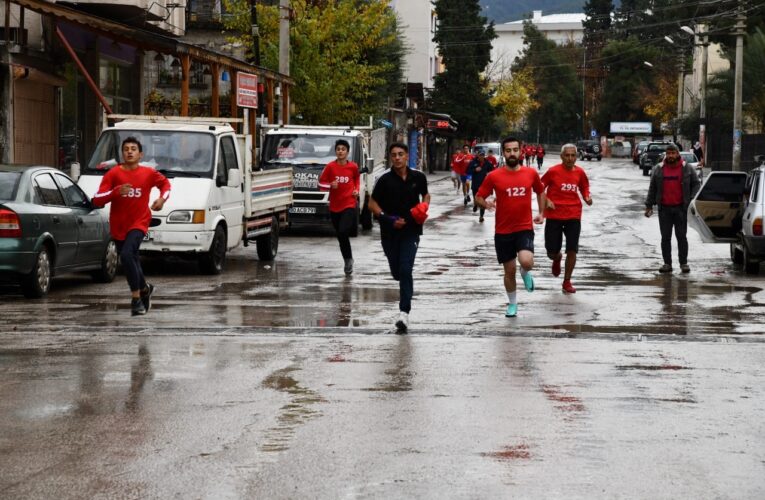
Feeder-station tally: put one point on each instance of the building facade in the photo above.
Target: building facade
(417, 19)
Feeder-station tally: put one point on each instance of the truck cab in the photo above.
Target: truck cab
(307, 150)
(730, 208)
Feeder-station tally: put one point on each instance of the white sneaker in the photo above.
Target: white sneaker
(403, 322)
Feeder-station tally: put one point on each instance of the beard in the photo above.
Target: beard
(671, 161)
(512, 161)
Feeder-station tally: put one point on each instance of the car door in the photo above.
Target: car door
(753, 212)
(90, 222)
(231, 197)
(60, 221)
(717, 209)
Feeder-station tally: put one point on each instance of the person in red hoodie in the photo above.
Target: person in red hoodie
(127, 187)
(565, 183)
(341, 178)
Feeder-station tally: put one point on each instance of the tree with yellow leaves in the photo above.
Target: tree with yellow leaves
(513, 98)
(345, 56)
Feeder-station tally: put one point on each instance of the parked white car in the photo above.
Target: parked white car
(730, 208)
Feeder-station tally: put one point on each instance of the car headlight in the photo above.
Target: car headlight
(186, 217)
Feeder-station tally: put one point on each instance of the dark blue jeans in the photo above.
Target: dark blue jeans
(131, 261)
(401, 251)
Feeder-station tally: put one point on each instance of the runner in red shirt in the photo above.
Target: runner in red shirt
(341, 179)
(540, 156)
(492, 159)
(564, 184)
(529, 152)
(514, 229)
(463, 160)
(127, 188)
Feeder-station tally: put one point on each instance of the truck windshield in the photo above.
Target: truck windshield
(297, 149)
(173, 153)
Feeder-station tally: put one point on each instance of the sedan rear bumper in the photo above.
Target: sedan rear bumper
(14, 258)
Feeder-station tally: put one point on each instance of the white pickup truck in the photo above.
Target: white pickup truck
(217, 200)
(308, 149)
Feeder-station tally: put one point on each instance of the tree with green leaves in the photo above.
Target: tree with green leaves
(464, 40)
(345, 56)
(557, 90)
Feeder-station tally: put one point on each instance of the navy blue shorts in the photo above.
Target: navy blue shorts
(554, 231)
(508, 245)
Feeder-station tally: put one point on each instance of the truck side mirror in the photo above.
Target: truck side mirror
(369, 165)
(234, 178)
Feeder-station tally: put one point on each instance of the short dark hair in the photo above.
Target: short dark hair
(343, 142)
(132, 140)
(509, 139)
(673, 147)
(399, 145)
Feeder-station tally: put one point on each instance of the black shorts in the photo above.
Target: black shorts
(554, 231)
(508, 245)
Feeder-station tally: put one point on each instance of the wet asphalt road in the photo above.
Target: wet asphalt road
(281, 380)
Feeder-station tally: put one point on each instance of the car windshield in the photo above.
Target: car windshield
(658, 147)
(173, 153)
(9, 182)
(689, 157)
(301, 149)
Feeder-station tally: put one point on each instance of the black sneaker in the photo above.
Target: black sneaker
(137, 308)
(475, 208)
(665, 268)
(146, 296)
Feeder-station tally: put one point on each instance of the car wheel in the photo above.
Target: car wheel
(751, 265)
(212, 262)
(268, 244)
(37, 283)
(109, 264)
(599, 158)
(736, 255)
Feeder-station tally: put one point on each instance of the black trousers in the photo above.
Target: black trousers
(343, 223)
(673, 217)
(131, 261)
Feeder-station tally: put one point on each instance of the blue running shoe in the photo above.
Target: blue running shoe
(512, 311)
(528, 282)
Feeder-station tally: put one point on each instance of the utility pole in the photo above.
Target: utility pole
(255, 59)
(284, 37)
(702, 29)
(680, 92)
(739, 31)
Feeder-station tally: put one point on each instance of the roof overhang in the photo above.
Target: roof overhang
(144, 39)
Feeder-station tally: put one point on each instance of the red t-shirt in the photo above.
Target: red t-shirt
(563, 189)
(493, 160)
(347, 177)
(513, 191)
(461, 162)
(131, 211)
(672, 189)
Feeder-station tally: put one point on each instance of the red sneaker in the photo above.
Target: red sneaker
(568, 287)
(556, 267)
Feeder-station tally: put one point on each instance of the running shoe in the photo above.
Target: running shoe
(528, 282)
(146, 296)
(556, 267)
(402, 325)
(348, 267)
(512, 311)
(685, 268)
(136, 307)
(665, 268)
(480, 219)
(475, 208)
(568, 287)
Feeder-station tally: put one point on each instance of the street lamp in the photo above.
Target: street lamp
(648, 64)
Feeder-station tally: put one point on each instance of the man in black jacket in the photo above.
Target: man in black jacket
(673, 185)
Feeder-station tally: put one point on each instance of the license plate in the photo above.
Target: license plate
(303, 210)
(149, 236)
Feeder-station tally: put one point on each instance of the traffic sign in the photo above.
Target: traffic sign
(593, 133)
(246, 90)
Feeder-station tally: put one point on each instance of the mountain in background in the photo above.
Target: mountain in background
(503, 11)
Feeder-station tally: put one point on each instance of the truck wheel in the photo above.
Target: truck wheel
(268, 244)
(366, 218)
(109, 262)
(751, 265)
(355, 226)
(212, 262)
(736, 255)
(37, 283)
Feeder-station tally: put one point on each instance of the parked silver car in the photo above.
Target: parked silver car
(730, 208)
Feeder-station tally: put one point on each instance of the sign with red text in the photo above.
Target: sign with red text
(246, 90)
